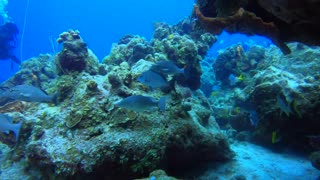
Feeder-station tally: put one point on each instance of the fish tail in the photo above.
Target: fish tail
(184, 71)
(162, 103)
(181, 70)
(55, 98)
(16, 130)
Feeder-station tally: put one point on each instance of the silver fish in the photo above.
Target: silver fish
(152, 79)
(29, 93)
(142, 103)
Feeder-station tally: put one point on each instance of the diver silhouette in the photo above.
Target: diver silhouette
(8, 41)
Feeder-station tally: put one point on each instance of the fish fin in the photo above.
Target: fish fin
(55, 98)
(9, 119)
(184, 72)
(16, 129)
(45, 92)
(162, 103)
(181, 70)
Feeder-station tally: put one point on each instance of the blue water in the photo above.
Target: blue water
(100, 23)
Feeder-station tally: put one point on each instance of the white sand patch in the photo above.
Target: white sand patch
(256, 162)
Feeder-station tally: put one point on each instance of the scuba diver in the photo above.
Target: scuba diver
(8, 41)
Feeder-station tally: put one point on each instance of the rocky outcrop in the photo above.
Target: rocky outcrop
(87, 135)
(280, 20)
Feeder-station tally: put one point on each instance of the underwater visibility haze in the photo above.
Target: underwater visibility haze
(204, 89)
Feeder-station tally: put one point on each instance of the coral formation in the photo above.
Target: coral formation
(38, 72)
(130, 48)
(283, 90)
(15, 106)
(175, 43)
(234, 60)
(86, 134)
(75, 56)
(281, 21)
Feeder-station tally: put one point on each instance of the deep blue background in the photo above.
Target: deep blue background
(101, 23)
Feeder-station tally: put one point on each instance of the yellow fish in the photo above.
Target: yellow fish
(274, 137)
(240, 78)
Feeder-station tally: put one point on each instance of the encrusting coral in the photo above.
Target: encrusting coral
(87, 134)
(75, 55)
(277, 104)
(280, 20)
(243, 22)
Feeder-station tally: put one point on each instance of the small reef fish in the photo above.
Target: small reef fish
(288, 106)
(233, 80)
(6, 125)
(283, 105)
(274, 137)
(254, 119)
(29, 93)
(142, 103)
(166, 68)
(152, 79)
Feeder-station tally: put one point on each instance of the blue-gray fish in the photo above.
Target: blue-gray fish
(142, 103)
(6, 125)
(284, 105)
(152, 79)
(29, 93)
(166, 68)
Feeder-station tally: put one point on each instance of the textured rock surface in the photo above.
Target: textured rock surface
(75, 56)
(36, 71)
(86, 135)
(273, 85)
(178, 43)
(280, 20)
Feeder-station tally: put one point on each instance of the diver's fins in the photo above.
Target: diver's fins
(15, 59)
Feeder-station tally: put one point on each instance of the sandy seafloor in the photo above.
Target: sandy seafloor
(256, 162)
(251, 161)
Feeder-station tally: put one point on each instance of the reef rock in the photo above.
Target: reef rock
(75, 55)
(86, 135)
(129, 49)
(277, 99)
(174, 43)
(39, 72)
(280, 20)
(286, 96)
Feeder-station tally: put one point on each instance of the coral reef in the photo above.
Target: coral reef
(75, 56)
(86, 135)
(15, 106)
(158, 174)
(234, 60)
(130, 48)
(175, 43)
(282, 94)
(38, 72)
(281, 21)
